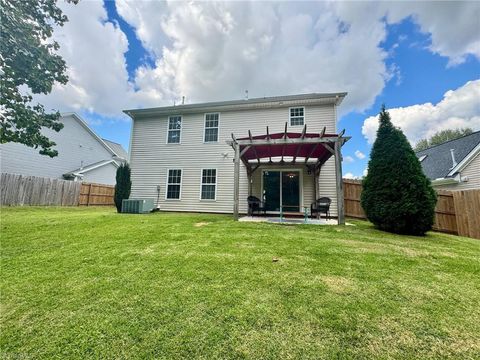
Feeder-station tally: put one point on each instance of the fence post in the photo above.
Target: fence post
(89, 191)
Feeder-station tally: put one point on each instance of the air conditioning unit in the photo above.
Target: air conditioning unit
(137, 206)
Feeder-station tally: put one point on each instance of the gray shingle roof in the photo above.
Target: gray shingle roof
(438, 161)
(117, 148)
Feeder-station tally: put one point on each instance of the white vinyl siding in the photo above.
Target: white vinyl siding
(297, 116)
(208, 189)
(76, 147)
(151, 157)
(174, 184)
(211, 128)
(174, 134)
(472, 172)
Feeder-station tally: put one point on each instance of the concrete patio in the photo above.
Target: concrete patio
(277, 219)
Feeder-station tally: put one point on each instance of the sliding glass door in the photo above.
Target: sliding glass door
(281, 188)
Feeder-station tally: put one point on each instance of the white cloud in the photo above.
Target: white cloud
(365, 172)
(458, 109)
(453, 25)
(359, 154)
(349, 175)
(217, 50)
(94, 52)
(348, 159)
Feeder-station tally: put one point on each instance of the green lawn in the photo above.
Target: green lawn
(90, 283)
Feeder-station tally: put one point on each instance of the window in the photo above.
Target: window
(174, 184)
(174, 129)
(209, 184)
(297, 116)
(211, 128)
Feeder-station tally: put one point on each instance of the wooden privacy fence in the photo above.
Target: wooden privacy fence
(33, 190)
(96, 194)
(352, 189)
(19, 190)
(456, 212)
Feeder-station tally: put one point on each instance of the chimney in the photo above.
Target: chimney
(183, 100)
(454, 162)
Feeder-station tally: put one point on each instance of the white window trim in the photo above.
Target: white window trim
(168, 130)
(181, 185)
(201, 183)
(205, 128)
(290, 115)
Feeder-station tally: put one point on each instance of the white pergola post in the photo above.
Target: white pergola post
(236, 180)
(339, 182)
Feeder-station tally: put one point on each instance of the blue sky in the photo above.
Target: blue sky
(406, 61)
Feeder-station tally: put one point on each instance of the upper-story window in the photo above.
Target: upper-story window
(174, 129)
(297, 116)
(211, 127)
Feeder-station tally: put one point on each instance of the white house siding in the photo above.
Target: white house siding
(102, 175)
(472, 171)
(151, 157)
(75, 146)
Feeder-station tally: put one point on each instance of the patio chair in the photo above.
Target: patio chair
(255, 205)
(322, 205)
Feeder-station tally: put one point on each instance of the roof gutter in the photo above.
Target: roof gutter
(258, 103)
(457, 179)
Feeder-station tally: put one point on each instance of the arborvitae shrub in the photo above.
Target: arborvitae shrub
(397, 196)
(123, 185)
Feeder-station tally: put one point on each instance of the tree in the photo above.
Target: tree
(29, 63)
(397, 196)
(442, 136)
(123, 185)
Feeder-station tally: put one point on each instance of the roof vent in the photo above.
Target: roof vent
(454, 162)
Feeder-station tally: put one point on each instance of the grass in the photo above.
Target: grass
(90, 283)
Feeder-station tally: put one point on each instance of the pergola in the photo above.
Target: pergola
(309, 149)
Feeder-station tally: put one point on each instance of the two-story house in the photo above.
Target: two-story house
(210, 157)
(82, 155)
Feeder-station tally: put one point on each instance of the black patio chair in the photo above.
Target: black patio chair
(321, 205)
(255, 205)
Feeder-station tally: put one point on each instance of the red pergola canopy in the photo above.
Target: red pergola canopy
(309, 150)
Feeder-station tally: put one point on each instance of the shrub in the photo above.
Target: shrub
(397, 196)
(123, 185)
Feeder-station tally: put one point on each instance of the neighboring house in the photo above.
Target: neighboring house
(82, 155)
(184, 155)
(455, 164)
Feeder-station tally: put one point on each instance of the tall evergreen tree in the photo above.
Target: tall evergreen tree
(397, 196)
(123, 185)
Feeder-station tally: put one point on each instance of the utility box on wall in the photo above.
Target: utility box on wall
(137, 206)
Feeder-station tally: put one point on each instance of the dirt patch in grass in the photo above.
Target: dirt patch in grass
(201, 223)
(338, 284)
